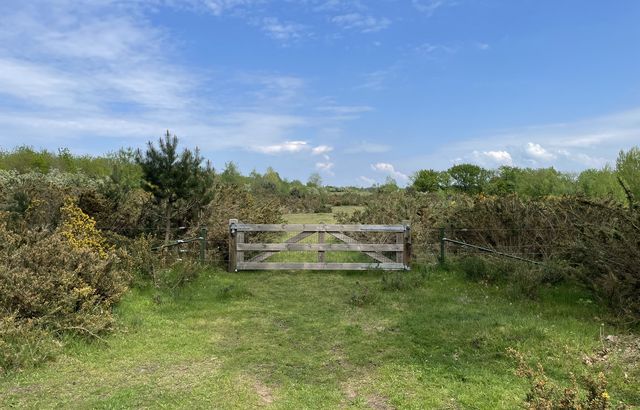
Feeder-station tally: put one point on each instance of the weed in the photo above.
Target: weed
(474, 268)
(399, 281)
(545, 394)
(362, 296)
(234, 291)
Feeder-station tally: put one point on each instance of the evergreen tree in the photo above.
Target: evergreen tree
(174, 178)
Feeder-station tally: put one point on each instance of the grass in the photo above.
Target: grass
(298, 341)
(424, 339)
(317, 218)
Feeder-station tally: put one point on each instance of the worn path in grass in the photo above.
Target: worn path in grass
(312, 340)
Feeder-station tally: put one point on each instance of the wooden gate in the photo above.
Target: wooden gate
(344, 235)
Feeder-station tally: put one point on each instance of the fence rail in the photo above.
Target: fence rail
(401, 248)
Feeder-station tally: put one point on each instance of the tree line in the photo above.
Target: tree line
(621, 182)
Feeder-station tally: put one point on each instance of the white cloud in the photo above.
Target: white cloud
(537, 152)
(218, 7)
(366, 180)
(483, 46)
(282, 31)
(429, 7)
(433, 50)
(99, 69)
(584, 159)
(389, 169)
(321, 150)
(284, 147)
(325, 167)
(568, 146)
(363, 23)
(493, 158)
(376, 80)
(334, 5)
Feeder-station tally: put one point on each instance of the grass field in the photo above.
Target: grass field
(325, 340)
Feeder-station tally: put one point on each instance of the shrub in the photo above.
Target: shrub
(33, 200)
(596, 241)
(233, 202)
(474, 267)
(546, 395)
(61, 282)
(24, 344)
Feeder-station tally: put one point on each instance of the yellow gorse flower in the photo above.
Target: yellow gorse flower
(80, 229)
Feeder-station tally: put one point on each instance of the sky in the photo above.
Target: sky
(357, 91)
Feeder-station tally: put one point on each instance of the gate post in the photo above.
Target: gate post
(406, 254)
(233, 248)
(203, 243)
(442, 247)
(321, 241)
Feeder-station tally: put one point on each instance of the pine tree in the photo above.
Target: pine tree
(174, 178)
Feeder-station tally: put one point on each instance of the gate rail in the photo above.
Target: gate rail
(238, 247)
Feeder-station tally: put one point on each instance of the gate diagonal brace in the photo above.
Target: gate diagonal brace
(347, 239)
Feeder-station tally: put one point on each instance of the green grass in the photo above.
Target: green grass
(317, 218)
(298, 341)
(424, 339)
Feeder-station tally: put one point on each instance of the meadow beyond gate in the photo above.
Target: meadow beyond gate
(385, 247)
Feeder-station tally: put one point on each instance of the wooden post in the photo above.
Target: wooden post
(442, 246)
(203, 243)
(321, 240)
(239, 240)
(400, 254)
(407, 245)
(233, 248)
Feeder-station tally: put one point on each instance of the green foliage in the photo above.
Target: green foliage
(545, 395)
(315, 180)
(33, 200)
(231, 175)
(233, 202)
(628, 170)
(474, 268)
(62, 282)
(298, 342)
(178, 181)
(24, 344)
(600, 183)
(401, 281)
(428, 180)
(24, 159)
(468, 178)
(608, 250)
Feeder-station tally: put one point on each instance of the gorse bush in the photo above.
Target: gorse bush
(24, 343)
(544, 394)
(59, 282)
(234, 202)
(595, 241)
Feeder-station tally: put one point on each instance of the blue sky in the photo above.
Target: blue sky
(355, 90)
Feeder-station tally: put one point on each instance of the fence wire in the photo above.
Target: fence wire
(528, 243)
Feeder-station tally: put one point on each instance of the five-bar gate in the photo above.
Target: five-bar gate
(347, 238)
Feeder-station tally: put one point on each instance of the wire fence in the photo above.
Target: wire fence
(434, 246)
